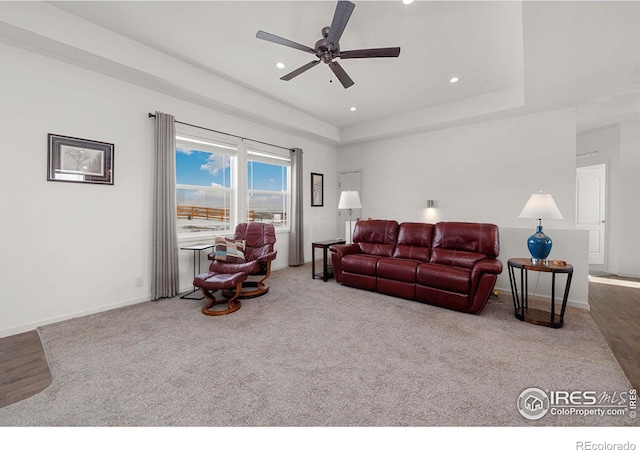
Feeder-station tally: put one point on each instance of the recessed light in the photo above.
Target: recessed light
(454, 80)
(407, 2)
(353, 108)
(280, 65)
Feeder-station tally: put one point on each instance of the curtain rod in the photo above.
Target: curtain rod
(227, 134)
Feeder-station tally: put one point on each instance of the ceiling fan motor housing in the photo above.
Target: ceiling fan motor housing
(322, 49)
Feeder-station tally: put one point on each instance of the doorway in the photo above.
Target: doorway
(590, 208)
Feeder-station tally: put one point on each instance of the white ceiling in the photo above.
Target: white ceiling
(558, 53)
(479, 42)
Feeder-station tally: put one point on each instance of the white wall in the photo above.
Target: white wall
(618, 147)
(483, 172)
(71, 249)
(480, 172)
(629, 254)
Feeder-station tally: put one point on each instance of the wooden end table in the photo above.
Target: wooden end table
(521, 300)
(324, 245)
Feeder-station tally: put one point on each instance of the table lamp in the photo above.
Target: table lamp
(349, 200)
(540, 206)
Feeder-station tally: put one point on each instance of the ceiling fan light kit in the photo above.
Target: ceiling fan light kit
(328, 48)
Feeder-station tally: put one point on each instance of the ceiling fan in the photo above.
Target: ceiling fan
(328, 48)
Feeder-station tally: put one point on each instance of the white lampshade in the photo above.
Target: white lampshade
(540, 206)
(349, 200)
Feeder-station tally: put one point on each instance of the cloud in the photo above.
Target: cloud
(214, 164)
(186, 151)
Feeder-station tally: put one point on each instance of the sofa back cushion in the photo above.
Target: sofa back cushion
(414, 241)
(376, 237)
(462, 244)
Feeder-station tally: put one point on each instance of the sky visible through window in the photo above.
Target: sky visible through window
(206, 169)
(267, 177)
(198, 168)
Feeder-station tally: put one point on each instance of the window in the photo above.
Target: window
(268, 187)
(213, 194)
(204, 184)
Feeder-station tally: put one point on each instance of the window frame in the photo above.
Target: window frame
(209, 142)
(241, 152)
(277, 157)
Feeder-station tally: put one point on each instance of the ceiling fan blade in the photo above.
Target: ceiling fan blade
(282, 41)
(388, 52)
(341, 74)
(339, 23)
(299, 70)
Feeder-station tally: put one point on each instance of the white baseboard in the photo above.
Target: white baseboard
(629, 275)
(33, 325)
(576, 303)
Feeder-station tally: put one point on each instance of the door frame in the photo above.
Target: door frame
(603, 207)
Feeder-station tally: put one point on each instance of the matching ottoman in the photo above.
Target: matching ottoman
(210, 282)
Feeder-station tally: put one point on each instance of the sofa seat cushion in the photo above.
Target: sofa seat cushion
(249, 267)
(360, 263)
(398, 269)
(456, 257)
(447, 278)
(396, 288)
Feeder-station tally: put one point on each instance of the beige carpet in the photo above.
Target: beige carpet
(311, 353)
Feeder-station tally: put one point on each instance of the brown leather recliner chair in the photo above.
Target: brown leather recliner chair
(259, 238)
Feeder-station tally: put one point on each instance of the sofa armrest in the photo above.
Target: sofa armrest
(344, 249)
(493, 266)
(338, 251)
(483, 279)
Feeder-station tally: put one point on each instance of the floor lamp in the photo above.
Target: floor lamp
(349, 200)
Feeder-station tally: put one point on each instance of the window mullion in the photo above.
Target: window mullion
(240, 185)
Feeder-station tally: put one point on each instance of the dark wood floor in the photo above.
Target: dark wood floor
(23, 367)
(616, 311)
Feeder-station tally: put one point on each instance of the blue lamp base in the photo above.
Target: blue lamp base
(539, 246)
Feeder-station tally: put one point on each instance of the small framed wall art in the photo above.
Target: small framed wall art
(78, 160)
(317, 189)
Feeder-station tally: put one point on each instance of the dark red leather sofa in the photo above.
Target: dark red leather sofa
(449, 264)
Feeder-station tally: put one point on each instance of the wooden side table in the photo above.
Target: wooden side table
(521, 300)
(324, 245)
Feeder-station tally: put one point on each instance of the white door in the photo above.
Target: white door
(590, 208)
(348, 181)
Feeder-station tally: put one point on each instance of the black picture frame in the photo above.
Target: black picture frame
(77, 160)
(317, 189)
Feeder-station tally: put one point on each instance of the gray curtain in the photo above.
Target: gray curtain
(165, 275)
(296, 242)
